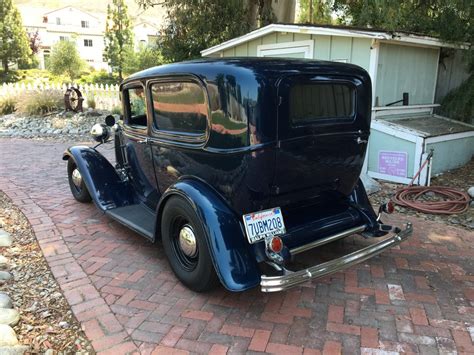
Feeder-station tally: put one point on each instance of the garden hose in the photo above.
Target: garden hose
(452, 201)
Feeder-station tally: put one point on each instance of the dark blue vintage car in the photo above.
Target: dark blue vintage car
(237, 166)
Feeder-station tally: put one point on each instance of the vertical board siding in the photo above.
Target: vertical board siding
(270, 38)
(360, 54)
(230, 52)
(341, 48)
(252, 49)
(283, 37)
(452, 72)
(242, 50)
(450, 154)
(406, 69)
(301, 37)
(322, 47)
(383, 141)
(354, 50)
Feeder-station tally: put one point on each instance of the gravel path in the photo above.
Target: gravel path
(46, 320)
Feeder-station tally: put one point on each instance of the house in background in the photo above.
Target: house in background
(410, 74)
(145, 33)
(85, 29)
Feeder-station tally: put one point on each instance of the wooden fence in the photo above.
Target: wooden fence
(106, 96)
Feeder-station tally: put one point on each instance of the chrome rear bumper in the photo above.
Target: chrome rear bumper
(291, 279)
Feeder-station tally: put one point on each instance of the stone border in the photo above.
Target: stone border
(99, 323)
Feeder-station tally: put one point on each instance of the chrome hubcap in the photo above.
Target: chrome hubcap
(76, 178)
(187, 241)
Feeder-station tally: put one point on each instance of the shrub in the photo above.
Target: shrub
(91, 102)
(98, 77)
(38, 76)
(7, 105)
(40, 102)
(10, 77)
(65, 59)
(116, 110)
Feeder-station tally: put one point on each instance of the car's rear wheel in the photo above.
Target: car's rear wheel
(186, 247)
(76, 182)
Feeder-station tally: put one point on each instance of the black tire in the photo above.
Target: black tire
(80, 193)
(196, 271)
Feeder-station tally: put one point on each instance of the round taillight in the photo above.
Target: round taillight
(276, 244)
(390, 207)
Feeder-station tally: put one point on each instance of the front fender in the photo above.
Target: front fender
(102, 181)
(231, 255)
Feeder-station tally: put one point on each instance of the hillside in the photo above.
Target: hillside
(154, 15)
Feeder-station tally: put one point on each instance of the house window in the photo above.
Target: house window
(63, 38)
(85, 24)
(58, 20)
(87, 43)
(179, 107)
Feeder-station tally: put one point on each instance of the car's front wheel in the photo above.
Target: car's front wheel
(186, 247)
(76, 183)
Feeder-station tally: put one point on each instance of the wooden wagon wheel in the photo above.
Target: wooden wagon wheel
(73, 100)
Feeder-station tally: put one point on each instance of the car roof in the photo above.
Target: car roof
(207, 68)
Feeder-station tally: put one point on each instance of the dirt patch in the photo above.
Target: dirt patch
(46, 320)
(461, 179)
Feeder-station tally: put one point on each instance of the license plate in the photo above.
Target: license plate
(268, 223)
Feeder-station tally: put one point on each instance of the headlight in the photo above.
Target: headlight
(100, 132)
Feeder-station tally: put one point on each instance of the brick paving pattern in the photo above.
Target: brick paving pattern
(416, 298)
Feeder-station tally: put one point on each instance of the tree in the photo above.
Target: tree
(14, 44)
(65, 59)
(146, 57)
(451, 20)
(315, 11)
(118, 36)
(193, 25)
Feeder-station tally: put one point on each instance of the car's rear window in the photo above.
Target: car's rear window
(312, 102)
(179, 107)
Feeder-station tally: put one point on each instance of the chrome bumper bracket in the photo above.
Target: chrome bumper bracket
(284, 282)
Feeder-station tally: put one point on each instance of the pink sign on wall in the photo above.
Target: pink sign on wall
(393, 163)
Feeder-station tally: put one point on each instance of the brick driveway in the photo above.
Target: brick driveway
(416, 298)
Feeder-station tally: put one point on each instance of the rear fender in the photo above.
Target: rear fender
(100, 177)
(231, 255)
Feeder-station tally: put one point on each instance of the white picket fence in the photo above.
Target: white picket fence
(106, 96)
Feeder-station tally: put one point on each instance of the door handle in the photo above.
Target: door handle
(143, 141)
(361, 141)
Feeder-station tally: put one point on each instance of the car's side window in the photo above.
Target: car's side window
(136, 106)
(179, 107)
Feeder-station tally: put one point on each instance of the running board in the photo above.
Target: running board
(136, 217)
(327, 240)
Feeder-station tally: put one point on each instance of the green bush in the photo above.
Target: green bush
(40, 102)
(7, 105)
(459, 103)
(91, 102)
(10, 77)
(39, 76)
(98, 77)
(116, 110)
